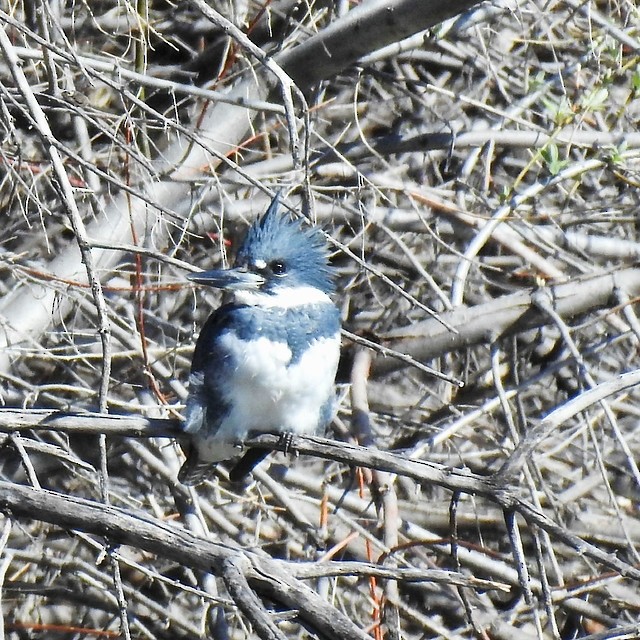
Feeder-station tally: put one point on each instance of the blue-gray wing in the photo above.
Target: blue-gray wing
(205, 405)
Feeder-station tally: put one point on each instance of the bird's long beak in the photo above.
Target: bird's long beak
(238, 278)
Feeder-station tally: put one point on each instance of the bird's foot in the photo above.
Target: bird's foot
(286, 440)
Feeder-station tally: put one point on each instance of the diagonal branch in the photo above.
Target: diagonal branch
(367, 28)
(262, 574)
(505, 316)
(446, 477)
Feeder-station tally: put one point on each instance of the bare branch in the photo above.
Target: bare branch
(363, 30)
(506, 315)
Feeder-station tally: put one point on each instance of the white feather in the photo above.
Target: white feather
(284, 297)
(269, 394)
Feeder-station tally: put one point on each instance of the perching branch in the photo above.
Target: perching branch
(446, 477)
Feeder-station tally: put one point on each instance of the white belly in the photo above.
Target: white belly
(268, 394)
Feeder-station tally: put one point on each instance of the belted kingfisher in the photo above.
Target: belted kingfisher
(266, 361)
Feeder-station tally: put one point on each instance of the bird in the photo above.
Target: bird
(266, 360)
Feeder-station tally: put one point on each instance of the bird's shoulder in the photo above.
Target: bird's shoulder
(287, 324)
(297, 326)
(219, 321)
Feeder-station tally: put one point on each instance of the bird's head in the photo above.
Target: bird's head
(280, 263)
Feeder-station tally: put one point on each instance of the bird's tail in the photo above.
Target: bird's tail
(245, 465)
(195, 470)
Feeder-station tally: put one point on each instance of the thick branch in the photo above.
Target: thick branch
(264, 575)
(367, 28)
(505, 316)
(130, 426)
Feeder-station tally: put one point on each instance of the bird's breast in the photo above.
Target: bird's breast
(269, 389)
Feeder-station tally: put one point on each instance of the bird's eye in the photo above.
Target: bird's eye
(278, 268)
